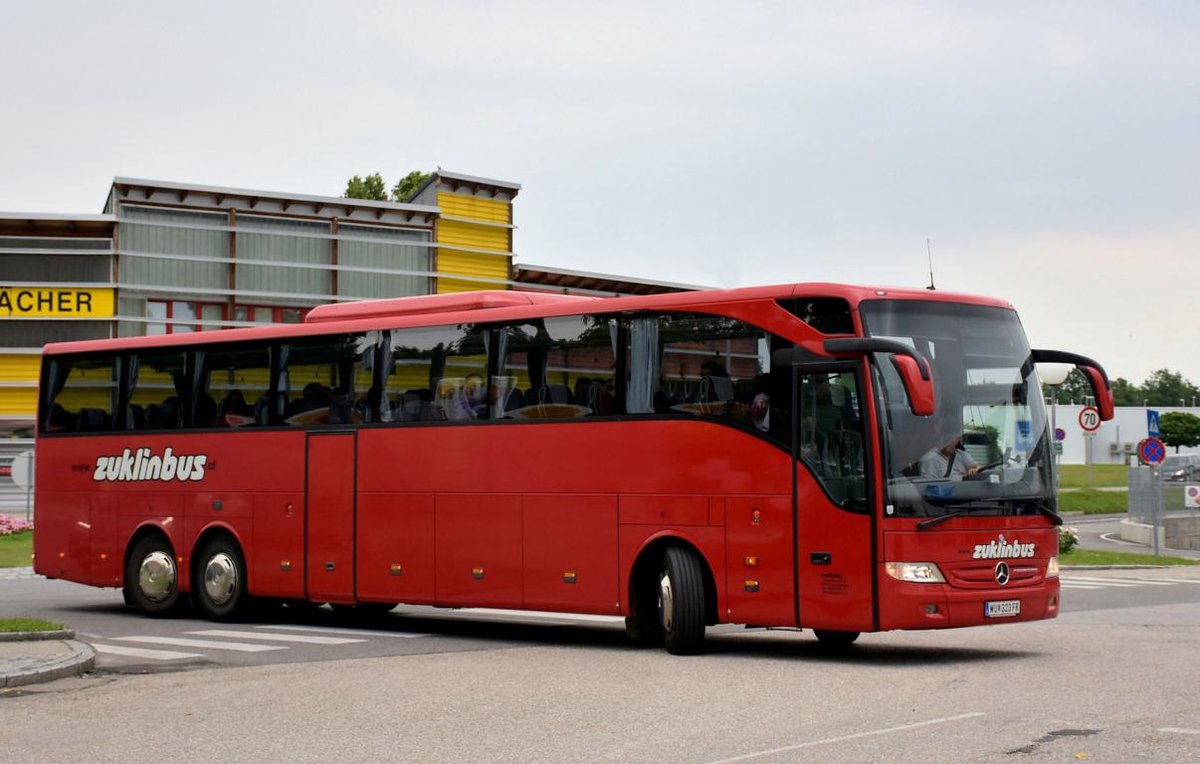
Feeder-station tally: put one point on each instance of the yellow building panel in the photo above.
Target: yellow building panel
(452, 262)
(18, 402)
(20, 367)
(489, 210)
(470, 235)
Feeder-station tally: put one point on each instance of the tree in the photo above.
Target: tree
(1168, 388)
(371, 187)
(1125, 393)
(1179, 428)
(405, 187)
(1077, 389)
(374, 187)
(1074, 389)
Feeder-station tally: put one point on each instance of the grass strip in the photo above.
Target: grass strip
(1093, 502)
(16, 550)
(1095, 476)
(1094, 557)
(28, 624)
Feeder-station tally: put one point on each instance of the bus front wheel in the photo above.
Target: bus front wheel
(681, 601)
(220, 582)
(152, 577)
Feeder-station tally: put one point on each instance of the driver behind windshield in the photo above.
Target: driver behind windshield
(948, 461)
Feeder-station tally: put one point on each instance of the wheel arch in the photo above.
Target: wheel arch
(642, 591)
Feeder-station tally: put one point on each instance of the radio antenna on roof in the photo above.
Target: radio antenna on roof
(929, 254)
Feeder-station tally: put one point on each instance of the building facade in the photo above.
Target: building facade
(169, 257)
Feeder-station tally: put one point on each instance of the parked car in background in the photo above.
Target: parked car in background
(1181, 468)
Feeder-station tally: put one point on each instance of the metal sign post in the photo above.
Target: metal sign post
(1153, 451)
(1089, 422)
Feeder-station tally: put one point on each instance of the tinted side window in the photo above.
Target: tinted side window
(556, 367)
(328, 380)
(831, 435)
(435, 374)
(237, 378)
(695, 365)
(82, 394)
(157, 389)
(828, 315)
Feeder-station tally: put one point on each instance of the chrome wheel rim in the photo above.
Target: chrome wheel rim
(220, 578)
(666, 602)
(156, 576)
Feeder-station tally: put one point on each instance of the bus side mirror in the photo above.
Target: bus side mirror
(920, 390)
(1101, 387)
(910, 365)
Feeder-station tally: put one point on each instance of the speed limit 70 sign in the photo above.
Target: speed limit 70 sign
(1089, 419)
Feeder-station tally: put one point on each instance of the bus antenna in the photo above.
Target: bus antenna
(929, 254)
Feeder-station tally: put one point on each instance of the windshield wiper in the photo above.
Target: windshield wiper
(1050, 513)
(956, 510)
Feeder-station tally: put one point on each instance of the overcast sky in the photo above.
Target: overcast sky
(1050, 154)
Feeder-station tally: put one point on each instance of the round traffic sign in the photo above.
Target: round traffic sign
(1060, 434)
(1089, 419)
(1152, 451)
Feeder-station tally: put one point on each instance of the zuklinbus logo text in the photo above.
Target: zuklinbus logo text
(994, 550)
(144, 465)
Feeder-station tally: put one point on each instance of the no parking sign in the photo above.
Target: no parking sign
(1152, 451)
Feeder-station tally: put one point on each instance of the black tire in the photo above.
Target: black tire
(835, 639)
(152, 577)
(219, 585)
(681, 601)
(644, 630)
(364, 611)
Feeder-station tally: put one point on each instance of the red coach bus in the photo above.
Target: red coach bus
(812, 456)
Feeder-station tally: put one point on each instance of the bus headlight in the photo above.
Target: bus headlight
(1052, 567)
(915, 572)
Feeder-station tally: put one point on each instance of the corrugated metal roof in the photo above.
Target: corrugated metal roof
(584, 281)
(251, 193)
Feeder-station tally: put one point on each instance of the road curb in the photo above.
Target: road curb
(34, 636)
(75, 659)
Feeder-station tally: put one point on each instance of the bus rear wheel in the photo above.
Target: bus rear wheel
(152, 577)
(220, 581)
(681, 601)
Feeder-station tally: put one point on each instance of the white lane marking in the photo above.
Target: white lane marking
(1173, 580)
(1179, 730)
(276, 637)
(240, 647)
(844, 738)
(1118, 581)
(352, 632)
(1065, 585)
(1101, 582)
(142, 652)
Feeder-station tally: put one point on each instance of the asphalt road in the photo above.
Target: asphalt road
(1113, 679)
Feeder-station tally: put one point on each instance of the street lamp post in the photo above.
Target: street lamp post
(1053, 375)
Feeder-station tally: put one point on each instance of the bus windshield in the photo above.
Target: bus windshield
(987, 448)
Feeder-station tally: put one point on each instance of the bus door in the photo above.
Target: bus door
(834, 545)
(329, 530)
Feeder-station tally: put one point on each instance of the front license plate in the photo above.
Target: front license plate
(1002, 608)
